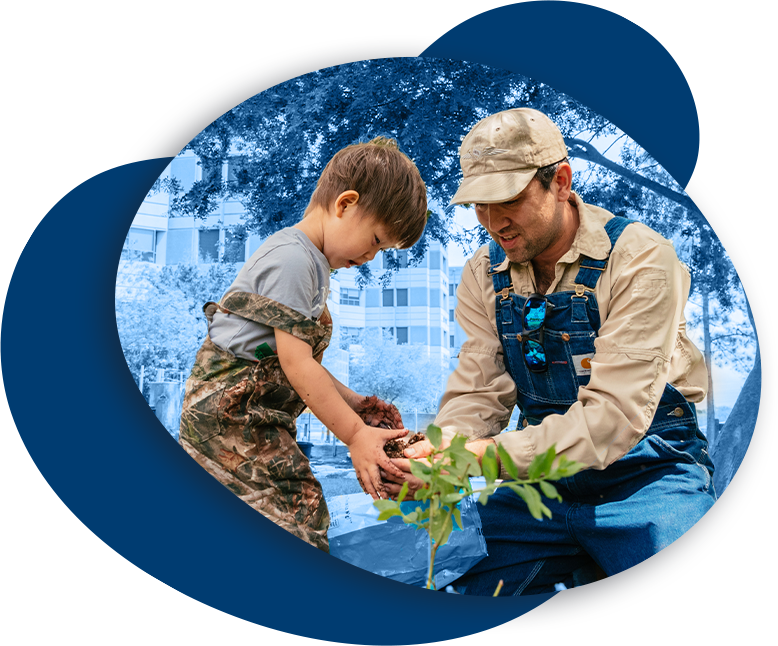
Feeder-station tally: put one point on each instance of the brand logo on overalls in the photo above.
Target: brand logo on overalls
(583, 363)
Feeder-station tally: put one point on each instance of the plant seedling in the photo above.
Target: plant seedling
(446, 474)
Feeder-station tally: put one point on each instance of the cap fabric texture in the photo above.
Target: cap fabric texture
(502, 153)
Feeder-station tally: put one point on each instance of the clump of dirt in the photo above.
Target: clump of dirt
(395, 448)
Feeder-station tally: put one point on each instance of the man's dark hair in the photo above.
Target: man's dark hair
(545, 174)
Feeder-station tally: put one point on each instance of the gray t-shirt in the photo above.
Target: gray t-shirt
(286, 268)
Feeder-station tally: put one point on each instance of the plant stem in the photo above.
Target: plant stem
(433, 549)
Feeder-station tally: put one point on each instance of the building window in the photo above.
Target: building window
(451, 315)
(208, 245)
(434, 297)
(402, 335)
(237, 170)
(419, 334)
(349, 296)
(349, 336)
(451, 341)
(182, 169)
(211, 171)
(402, 297)
(435, 259)
(401, 255)
(140, 244)
(372, 297)
(451, 289)
(388, 298)
(418, 295)
(234, 245)
(389, 331)
(436, 337)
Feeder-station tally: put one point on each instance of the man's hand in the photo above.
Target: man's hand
(418, 451)
(376, 412)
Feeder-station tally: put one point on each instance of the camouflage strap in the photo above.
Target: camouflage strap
(265, 311)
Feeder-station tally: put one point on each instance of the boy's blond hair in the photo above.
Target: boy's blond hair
(389, 186)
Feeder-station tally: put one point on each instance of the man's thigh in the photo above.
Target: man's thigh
(530, 556)
(623, 531)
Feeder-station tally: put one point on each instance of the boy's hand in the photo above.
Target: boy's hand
(376, 412)
(368, 457)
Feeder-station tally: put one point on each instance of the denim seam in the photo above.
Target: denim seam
(530, 577)
(568, 521)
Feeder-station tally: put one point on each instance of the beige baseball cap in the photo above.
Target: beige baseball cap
(502, 153)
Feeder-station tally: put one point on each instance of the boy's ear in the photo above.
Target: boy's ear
(344, 200)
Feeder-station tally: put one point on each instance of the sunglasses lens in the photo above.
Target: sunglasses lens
(534, 313)
(534, 354)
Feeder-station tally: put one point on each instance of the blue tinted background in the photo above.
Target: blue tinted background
(78, 414)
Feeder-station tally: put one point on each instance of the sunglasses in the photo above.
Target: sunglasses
(533, 319)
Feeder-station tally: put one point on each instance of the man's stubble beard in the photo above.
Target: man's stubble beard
(536, 246)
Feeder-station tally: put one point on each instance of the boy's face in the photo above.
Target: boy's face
(354, 238)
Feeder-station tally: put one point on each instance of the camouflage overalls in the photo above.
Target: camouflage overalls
(238, 421)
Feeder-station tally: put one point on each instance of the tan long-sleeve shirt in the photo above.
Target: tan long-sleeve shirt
(641, 346)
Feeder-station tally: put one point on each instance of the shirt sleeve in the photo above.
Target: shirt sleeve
(644, 312)
(286, 274)
(480, 394)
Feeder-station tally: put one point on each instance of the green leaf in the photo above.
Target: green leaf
(403, 492)
(541, 464)
(453, 480)
(388, 513)
(441, 528)
(452, 497)
(489, 464)
(566, 468)
(507, 462)
(383, 505)
(483, 497)
(534, 503)
(410, 518)
(434, 435)
(422, 494)
(422, 471)
(549, 490)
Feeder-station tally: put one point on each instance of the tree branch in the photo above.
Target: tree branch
(583, 150)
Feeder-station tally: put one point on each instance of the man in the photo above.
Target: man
(576, 316)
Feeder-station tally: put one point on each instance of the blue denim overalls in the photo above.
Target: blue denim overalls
(614, 518)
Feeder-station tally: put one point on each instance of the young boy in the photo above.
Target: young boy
(260, 364)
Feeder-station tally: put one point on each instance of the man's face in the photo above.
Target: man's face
(526, 226)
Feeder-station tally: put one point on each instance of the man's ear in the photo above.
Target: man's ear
(564, 181)
(345, 200)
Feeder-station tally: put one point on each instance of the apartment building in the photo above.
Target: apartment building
(412, 305)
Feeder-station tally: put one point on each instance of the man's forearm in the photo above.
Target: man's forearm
(479, 448)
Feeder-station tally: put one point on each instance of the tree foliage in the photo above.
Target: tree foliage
(401, 374)
(277, 142)
(159, 313)
(285, 135)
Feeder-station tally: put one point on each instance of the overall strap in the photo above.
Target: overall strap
(501, 279)
(591, 269)
(502, 285)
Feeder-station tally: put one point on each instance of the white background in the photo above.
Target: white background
(89, 86)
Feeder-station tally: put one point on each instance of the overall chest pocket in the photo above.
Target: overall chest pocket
(568, 354)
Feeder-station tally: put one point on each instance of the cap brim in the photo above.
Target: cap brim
(492, 188)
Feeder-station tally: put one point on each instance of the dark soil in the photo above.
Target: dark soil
(395, 448)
